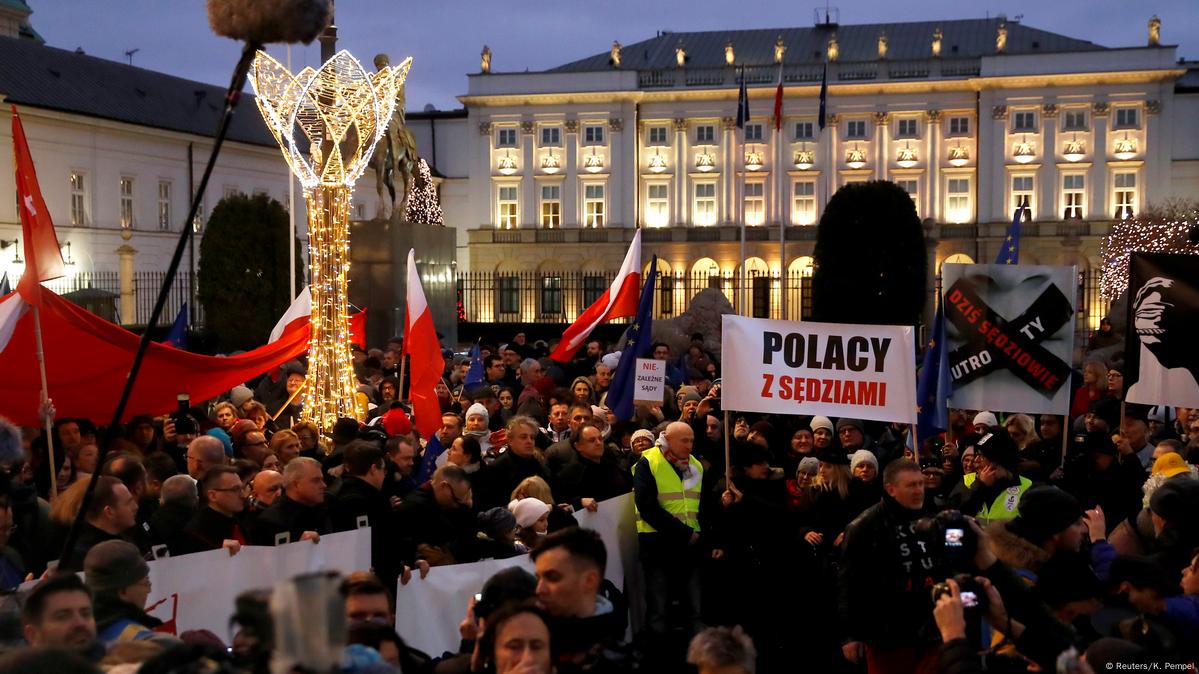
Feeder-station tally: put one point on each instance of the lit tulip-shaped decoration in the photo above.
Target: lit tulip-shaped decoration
(341, 112)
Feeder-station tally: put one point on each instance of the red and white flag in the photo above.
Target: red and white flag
(299, 314)
(618, 301)
(425, 363)
(43, 258)
(778, 102)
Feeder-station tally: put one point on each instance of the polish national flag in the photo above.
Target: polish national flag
(43, 259)
(778, 102)
(618, 301)
(299, 314)
(424, 351)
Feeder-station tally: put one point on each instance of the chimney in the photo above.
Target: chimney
(328, 38)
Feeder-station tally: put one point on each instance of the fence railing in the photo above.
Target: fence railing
(145, 291)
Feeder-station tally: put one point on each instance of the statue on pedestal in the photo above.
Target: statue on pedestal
(395, 157)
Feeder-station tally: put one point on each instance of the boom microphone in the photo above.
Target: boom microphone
(259, 22)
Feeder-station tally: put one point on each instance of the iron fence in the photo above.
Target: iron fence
(146, 285)
(560, 296)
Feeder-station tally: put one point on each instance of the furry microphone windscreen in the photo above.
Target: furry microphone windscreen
(266, 21)
(10, 443)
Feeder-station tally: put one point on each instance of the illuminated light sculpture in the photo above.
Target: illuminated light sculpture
(1125, 149)
(855, 158)
(1074, 151)
(550, 164)
(753, 161)
(1024, 153)
(506, 165)
(704, 162)
(906, 158)
(341, 112)
(1165, 231)
(958, 156)
(804, 160)
(657, 163)
(593, 163)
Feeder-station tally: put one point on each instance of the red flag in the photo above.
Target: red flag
(778, 102)
(426, 364)
(618, 301)
(43, 258)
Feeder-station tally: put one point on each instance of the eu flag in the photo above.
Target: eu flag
(428, 461)
(177, 336)
(475, 374)
(742, 103)
(823, 97)
(932, 387)
(1009, 251)
(636, 345)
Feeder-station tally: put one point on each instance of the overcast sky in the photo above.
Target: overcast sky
(444, 37)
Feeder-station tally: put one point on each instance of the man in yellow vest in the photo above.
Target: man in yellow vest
(995, 490)
(666, 488)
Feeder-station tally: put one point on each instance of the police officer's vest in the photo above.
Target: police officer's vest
(1005, 505)
(678, 496)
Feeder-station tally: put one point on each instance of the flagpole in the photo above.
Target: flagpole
(291, 215)
(779, 201)
(403, 362)
(46, 421)
(728, 466)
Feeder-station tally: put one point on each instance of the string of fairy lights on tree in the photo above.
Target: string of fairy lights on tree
(423, 205)
(341, 112)
(1171, 229)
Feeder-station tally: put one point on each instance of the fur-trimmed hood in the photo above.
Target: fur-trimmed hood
(1014, 550)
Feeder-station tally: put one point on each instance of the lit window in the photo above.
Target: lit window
(78, 199)
(1073, 191)
(164, 205)
(907, 129)
(657, 135)
(959, 126)
(551, 206)
(657, 205)
(912, 188)
(803, 203)
(705, 134)
(1126, 118)
(551, 294)
(753, 133)
(705, 204)
(855, 128)
(957, 201)
(803, 131)
(1022, 194)
(593, 135)
(755, 203)
(1125, 194)
(198, 222)
(551, 136)
(505, 137)
(507, 207)
(1025, 122)
(1074, 120)
(127, 202)
(593, 205)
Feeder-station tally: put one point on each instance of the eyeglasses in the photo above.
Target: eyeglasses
(229, 489)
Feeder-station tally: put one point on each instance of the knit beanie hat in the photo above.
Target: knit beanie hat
(239, 394)
(985, 418)
(846, 422)
(611, 360)
(396, 422)
(999, 448)
(821, 422)
(808, 465)
(642, 433)
(1044, 512)
(863, 456)
(113, 565)
(528, 511)
(221, 435)
(690, 394)
(480, 410)
(496, 522)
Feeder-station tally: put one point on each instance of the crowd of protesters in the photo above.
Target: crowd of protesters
(1007, 543)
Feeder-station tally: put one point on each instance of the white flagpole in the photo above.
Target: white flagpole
(291, 214)
(779, 201)
(46, 421)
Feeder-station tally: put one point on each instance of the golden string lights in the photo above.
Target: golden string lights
(341, 112)
(1166, 231)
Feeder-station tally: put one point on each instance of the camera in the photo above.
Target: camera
(182, 415)
(951, 539)
(973, 595)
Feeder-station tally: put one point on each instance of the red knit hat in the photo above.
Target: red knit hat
(396, 422)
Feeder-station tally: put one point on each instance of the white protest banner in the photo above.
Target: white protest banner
(197, 591)
(830, 369)
(428, 611)
(1010, 334)
(650, 385)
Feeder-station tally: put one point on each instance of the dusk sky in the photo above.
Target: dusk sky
(444, 37)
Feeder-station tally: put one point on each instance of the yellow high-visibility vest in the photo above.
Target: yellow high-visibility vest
(678, 496)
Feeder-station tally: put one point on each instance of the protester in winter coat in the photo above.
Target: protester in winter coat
(120, 582)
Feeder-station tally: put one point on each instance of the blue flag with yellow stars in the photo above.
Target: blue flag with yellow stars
(636, 344)
(933, 385)
(1009, 250)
